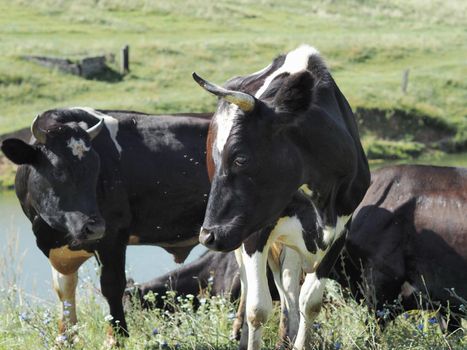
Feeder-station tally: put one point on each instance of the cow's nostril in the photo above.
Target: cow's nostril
(206, 237)
(93, 230)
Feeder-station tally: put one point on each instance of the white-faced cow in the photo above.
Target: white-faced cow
(287, 167)
(409, 235)
(94, 181)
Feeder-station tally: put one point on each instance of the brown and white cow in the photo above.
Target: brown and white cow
(287, 167)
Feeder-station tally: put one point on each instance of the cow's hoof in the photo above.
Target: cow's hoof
(66, 340)
(236, 329)
(111, 342)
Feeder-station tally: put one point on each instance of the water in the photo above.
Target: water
(458, 160)
(22, 259)
(25, 261)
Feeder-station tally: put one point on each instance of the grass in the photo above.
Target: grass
(342, 324)
(368, 45)
(27, 322)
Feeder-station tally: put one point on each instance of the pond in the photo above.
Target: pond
(24, 264)
(21, 261)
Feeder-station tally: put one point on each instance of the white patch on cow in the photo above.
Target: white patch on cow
(311, 298)
(287, 277)
(295, 61)
(407, 289)
(78, 147)
(305, 189)
(330, 234)
(110, 122)
(83, 125)
(289, 231)
(225, 122)
(258, 301)
(65, 287)
(240, 315)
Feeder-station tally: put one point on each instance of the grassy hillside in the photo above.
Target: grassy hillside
(368, 45)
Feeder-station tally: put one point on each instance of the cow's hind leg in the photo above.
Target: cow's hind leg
(258, 301)
(286, 270)
(311, 299)
(238, 324)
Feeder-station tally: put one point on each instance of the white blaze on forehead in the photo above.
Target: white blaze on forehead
(78, 147)
(110, 122)
(225, 122)
(295, 61)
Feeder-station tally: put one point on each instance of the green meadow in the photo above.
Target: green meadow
(368, 44)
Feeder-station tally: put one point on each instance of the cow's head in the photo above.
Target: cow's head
(257, 168)
(62, 180)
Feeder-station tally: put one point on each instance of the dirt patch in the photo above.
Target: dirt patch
(401, 125)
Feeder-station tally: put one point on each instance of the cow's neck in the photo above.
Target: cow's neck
(331, 167)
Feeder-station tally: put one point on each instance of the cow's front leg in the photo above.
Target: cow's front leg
(65, 287)
(258, 300)
(285, 267)
(311, 299)
(113, 283)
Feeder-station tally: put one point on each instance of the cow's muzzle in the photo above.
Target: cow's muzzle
(216, 239)
(206, 237)
(93, 230)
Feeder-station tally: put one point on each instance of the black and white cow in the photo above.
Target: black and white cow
(93, 181)
(287, 167)
(409, 236)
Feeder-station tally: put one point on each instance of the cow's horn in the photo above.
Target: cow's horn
(243, 100)
(95, 130)
(39, 134)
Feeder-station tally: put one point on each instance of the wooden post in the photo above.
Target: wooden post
(405, 80)
(125, 60)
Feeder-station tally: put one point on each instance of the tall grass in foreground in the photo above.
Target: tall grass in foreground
(343, 324)
(27, 322)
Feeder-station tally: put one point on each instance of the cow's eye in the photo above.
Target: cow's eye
(240, 161)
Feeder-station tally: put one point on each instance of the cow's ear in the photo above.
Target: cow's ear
(295, 95)
(18, 151)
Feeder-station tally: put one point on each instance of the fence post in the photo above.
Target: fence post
(125, 60)
(405, 80)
